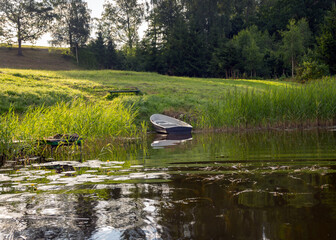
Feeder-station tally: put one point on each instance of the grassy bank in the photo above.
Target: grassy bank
(35, 58)
(24, 88)
(47, 98)
(309, 105)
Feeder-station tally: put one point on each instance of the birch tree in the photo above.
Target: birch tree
(295, 41)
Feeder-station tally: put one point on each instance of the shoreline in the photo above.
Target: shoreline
(285, 127)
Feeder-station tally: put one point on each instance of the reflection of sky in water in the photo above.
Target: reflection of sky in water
(70, 214)
(106, 233)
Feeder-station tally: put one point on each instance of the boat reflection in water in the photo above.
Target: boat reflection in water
(162, 141)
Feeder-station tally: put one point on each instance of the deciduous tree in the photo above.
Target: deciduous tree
(72, 24)
(295, 41)
(26, 20)
(327, 40)
(123, 18)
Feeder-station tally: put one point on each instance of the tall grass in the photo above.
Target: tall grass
(310, 105)
(203, 102)
(89, 120)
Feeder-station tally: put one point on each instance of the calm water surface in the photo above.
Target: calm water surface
(256, 185)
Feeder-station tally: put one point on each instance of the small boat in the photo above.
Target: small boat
(62, 139)
(165, 124)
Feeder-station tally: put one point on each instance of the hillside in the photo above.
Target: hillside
(35, 58)
(23, 88)
(204, 102)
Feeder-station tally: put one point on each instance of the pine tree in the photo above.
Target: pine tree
(111, 57)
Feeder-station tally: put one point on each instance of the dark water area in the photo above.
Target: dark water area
(251, 185)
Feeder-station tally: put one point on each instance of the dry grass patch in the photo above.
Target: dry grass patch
(35, 58)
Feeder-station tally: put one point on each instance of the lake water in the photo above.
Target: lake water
(251, 185)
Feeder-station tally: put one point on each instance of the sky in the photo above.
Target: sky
(96, 7)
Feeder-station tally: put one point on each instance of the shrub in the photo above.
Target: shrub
(312, 70)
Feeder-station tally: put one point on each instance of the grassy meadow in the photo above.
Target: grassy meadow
(40, 103)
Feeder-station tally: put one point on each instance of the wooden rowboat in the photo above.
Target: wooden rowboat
(167, 125)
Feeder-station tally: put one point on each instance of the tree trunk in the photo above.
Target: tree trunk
(20, 48)
(19, 37)
(77, 54)
(292, 66)
(70, 41)
(130, 44)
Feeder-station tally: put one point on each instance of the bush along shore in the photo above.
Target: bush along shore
(46, 103)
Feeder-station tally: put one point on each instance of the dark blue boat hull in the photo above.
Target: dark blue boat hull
(173, 130)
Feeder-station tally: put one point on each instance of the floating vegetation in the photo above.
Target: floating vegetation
(51, 176)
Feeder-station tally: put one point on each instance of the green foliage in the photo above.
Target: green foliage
(205, 102)
(72, 24)
(232, 39)
(24, 20)
(103, 55)
(88, 59)
(274, 15)
(327, 40)
(97, 47)
(66, 53)
(312, 70)
(6, 45)
(248, 43)
(295, 41)
(90, 120)
(8, 125)
(122, 20)
(190, 38)
(2, 31)
(111, 55)
(224, 59)
(310, 104)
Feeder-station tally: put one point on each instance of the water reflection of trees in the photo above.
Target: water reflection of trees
(248, 188)
(223, 210)
(194, 206)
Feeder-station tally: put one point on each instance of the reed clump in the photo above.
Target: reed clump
(90, 120)
(309, 105)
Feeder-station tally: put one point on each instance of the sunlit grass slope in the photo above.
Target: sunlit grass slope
(22, 88)
(204, 102)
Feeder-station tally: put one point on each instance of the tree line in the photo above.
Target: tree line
(203, 38)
